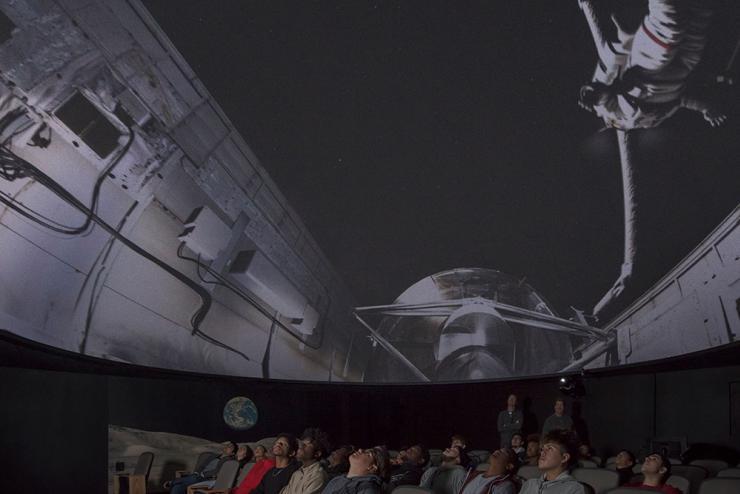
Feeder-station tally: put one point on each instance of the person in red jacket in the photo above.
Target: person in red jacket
(254, 476)
(656, 468)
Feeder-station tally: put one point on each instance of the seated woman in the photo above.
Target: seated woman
(368, 470)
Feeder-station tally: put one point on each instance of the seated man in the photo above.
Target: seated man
(532, 453)
(625, 462)
(243, 456)
(409, 472)
(499, 478)
(276, 478)
(368, 470)
(310, 478)
(338, 461)
(559, 454)
(180, 486)
(449, 476)
(656, 468)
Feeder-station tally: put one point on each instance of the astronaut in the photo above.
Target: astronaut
(639, 82)
(641, 77)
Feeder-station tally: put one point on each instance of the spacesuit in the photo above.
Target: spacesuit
(641, 77)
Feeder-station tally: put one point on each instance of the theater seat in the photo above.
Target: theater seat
(718, 485)
(729, 472)
(410, 489)
(679, 482)
(134, 483)
(225, 478)
(712, 466)
(630, 490)
(600, 479)
(528, 472)
(694, 473)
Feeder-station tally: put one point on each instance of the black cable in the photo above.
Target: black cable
(7, 157)
(244, 296)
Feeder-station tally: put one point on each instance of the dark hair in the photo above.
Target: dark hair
(463, 456)
(567, 441)
(248, 457)
(424, 453)
(533, 438)
(233, 445)
(513, 458)
(665, 463)
(518, 434)
(382, 462)
(292, 442)
(319, 438)
(630, 454)
(460, 438)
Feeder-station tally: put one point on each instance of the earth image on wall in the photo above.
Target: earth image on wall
(240, 413)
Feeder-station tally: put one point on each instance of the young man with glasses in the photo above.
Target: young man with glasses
(368, 470)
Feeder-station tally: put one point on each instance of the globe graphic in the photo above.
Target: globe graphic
(240, 413)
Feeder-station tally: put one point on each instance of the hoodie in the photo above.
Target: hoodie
(362, 484)
(563, 484)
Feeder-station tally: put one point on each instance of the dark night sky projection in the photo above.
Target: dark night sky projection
(413, 137)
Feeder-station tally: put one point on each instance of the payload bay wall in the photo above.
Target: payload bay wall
(94, 95)
(694, 307)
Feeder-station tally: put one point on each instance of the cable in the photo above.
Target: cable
(8, 159)
(244, 296)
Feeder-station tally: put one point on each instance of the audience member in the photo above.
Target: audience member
(254, 476)
(338, 461)
(409, 472)
(532, 453)
(656, 468)
(559, 454)
(625, 462)
(558, 420)
(509, 421)
(260, 453)
(517, 445)
(243, 455)
(368, 469)
(277, 477)
(310, 478)
(180, 485)
(459, 440)
(448, 477)
(499, 478)
(584, 452)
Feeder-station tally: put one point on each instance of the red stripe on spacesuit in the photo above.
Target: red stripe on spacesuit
(655, 38)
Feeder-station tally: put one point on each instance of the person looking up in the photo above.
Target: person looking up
(656, 468)
(559, 454)
(499, 478)
(368, 470)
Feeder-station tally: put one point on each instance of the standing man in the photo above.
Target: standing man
(559, 455)
(310, 478)
(558, 420)
(509, 421)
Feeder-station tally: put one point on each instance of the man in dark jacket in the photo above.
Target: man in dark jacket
(410, 471)
(368, 469)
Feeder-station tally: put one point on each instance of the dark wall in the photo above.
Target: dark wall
(57, 420)
(53, 431)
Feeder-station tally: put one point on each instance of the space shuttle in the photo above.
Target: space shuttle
(137, 225)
